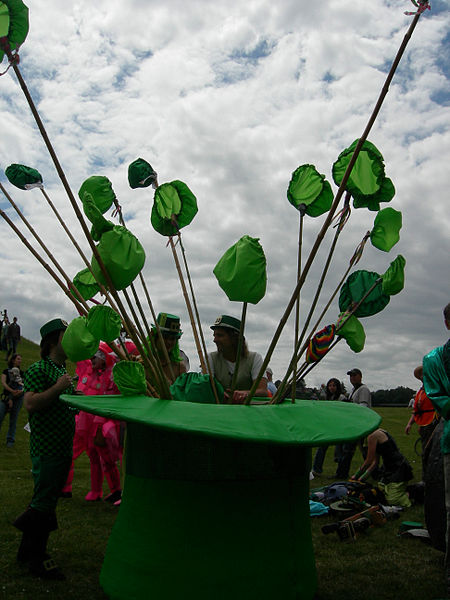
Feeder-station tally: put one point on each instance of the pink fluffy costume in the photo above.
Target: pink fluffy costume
(100, 437)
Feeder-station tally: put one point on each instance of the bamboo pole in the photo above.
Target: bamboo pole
(337, 198)
(188, 305)
(239, 351)
(302, 210)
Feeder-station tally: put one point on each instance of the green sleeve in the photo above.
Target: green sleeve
(436, 381)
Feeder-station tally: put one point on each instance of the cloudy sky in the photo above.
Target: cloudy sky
(231, 98)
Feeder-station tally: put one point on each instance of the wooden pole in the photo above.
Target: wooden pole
(302, 210)
(239, 350)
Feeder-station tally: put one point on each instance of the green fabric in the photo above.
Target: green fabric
(122, 255)
(305, 422)
(170, 199)
(25, 178)
(100, 189)
(13, 23)
(129, 377)
(86, 284)
(100, 225)
(356, 286)
(394, 278)
(386, 229)
(436, 383)
(395, 492)
(352, 332)
(141, 174)
(78, 342)
(310, 188)
(211, 540)
(241, 272)
(367, 183)
(104, 323)
(52, 429)
(195, 387)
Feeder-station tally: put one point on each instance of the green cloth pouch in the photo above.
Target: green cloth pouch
(23, 177)
(141, 174)
(100, 188)
(78, 342)
(352, 332)
(310, 188)
(13, 23)
(356, 286)
(241, 272)
(104, 323)
(173, 199)
(394, 278)
(85, 282)
(386, 229)
(129, 377)
(195, 387)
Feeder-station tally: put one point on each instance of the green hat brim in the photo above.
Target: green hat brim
(305, 422)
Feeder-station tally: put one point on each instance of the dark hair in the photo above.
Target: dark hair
(447, 313)
(338, 392)
(234, 336)
(12, 359)
(49, 341)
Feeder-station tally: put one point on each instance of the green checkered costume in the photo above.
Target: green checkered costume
(52, 429)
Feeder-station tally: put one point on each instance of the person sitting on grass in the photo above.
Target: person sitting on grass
(395, 471)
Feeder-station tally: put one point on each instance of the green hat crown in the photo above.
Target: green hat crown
(227, 322)
(169, 324)
(53, 325)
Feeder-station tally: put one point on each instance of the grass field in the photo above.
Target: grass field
(379, 565)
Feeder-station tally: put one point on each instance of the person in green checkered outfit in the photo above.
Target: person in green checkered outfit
(52, 425)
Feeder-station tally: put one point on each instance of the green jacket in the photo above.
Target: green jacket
(436, 382)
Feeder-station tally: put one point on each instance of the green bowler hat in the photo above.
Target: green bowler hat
(227, 322)
(53, 325)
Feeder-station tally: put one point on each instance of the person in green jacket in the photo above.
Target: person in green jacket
(436, 381)
(226, 336)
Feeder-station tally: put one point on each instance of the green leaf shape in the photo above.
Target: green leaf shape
(386, 229)
(99, 224)
(309, 187)
(394, 278)
(86, 284)
(104, 323)
(23, 177)
(129, 377)
(354, 289)
(241, 272)
(13, 23)
(141, 174)
(123, 256)
(100, 189)
(352, 331)
(367, 183)
(174, 198)
(78, 342)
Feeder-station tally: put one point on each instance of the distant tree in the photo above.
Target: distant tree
(398, 395)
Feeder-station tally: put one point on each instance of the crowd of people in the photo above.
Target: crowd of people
(59, 434)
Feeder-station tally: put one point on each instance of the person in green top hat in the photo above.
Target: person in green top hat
(52, 425)
(226, 336)
(170, 328)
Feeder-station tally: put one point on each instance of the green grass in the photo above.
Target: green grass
(379, 565)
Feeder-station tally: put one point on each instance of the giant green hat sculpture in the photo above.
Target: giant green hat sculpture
(310, 188)
(23, 177)
(13, 24)
(354, 290)
(212, 490)
(386, 229)
(241, 272)
(174, 207)
(367, 183)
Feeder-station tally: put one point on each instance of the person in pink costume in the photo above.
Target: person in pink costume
(100, 437)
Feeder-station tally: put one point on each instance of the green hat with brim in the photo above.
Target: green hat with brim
(169, 324)
(53, 325)
(227, 322)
